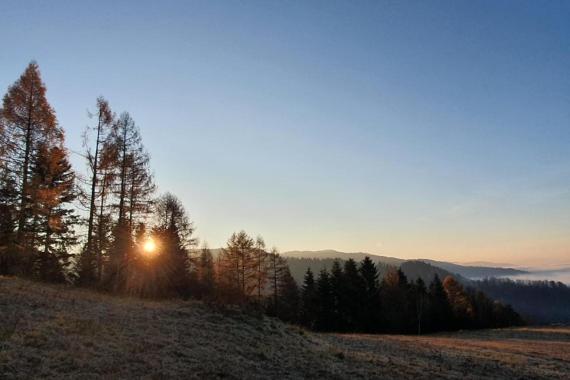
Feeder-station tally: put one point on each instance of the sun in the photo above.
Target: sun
(149, 246)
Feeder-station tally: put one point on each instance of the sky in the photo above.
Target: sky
(414, 129)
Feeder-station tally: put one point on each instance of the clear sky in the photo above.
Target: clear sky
(435, 129)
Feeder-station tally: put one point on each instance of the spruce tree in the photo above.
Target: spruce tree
(325, 302)
(206, 274)
(337, 283)
(308, 314)
(174, 235)
(440, 317)
(54, 191)
(289, 302)
(353, 297)
(419, 296)
(371, 318)
(394, 293)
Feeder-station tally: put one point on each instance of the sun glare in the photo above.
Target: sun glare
(149, 246)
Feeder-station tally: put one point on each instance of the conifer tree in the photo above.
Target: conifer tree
(100, 160)
(135, 184)
(141, 186)
(459, 300)
(54, 192)
(125, 140)
(439, 310)
(206, 274)
(239, 265)
(173, 231)
(338, 285)
(308, 313)
(279, 277)
(8, 210)
(394, 293)
(8, 221)
(288, 297)
(325, 302)
(371, 295)
(419, 297)
(27, 120)
(261, 264)
(352, 300)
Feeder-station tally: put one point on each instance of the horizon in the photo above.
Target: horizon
(411, 130)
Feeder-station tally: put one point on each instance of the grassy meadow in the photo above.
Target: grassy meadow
(51, 331)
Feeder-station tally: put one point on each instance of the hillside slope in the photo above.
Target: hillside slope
(54, 331)
(48, 331)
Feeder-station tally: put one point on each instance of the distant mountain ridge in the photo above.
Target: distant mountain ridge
(475, 272)
(333, 254)
(466, 271)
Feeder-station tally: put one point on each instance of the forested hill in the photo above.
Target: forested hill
(540, 302)
(319, 259)
(537, 301)
(475, 272)
(333, 254)
(412, 269)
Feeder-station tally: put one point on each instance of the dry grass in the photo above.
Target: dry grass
(58, 332)
(527, 353)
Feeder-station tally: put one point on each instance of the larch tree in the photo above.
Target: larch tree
(27, 120)
(239, 265)
(459, 300)
(98, 157)
(141, 187)
(277, 268)
(125, 140)
(104, 223)
(135, 184)
(260, 257)
(8, 206)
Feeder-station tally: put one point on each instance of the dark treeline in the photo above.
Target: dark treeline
(536, 301)
(351, 298)
(109, 231)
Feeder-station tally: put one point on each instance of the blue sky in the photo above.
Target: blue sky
(411, 129)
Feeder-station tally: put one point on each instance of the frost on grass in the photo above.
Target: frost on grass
(54, 331)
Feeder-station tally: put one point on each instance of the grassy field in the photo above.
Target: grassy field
(57, 332)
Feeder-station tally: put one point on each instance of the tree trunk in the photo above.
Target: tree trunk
(93, 186)
(123, 177)
(25, 170)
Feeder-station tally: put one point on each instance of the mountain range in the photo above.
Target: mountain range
(424, 268)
